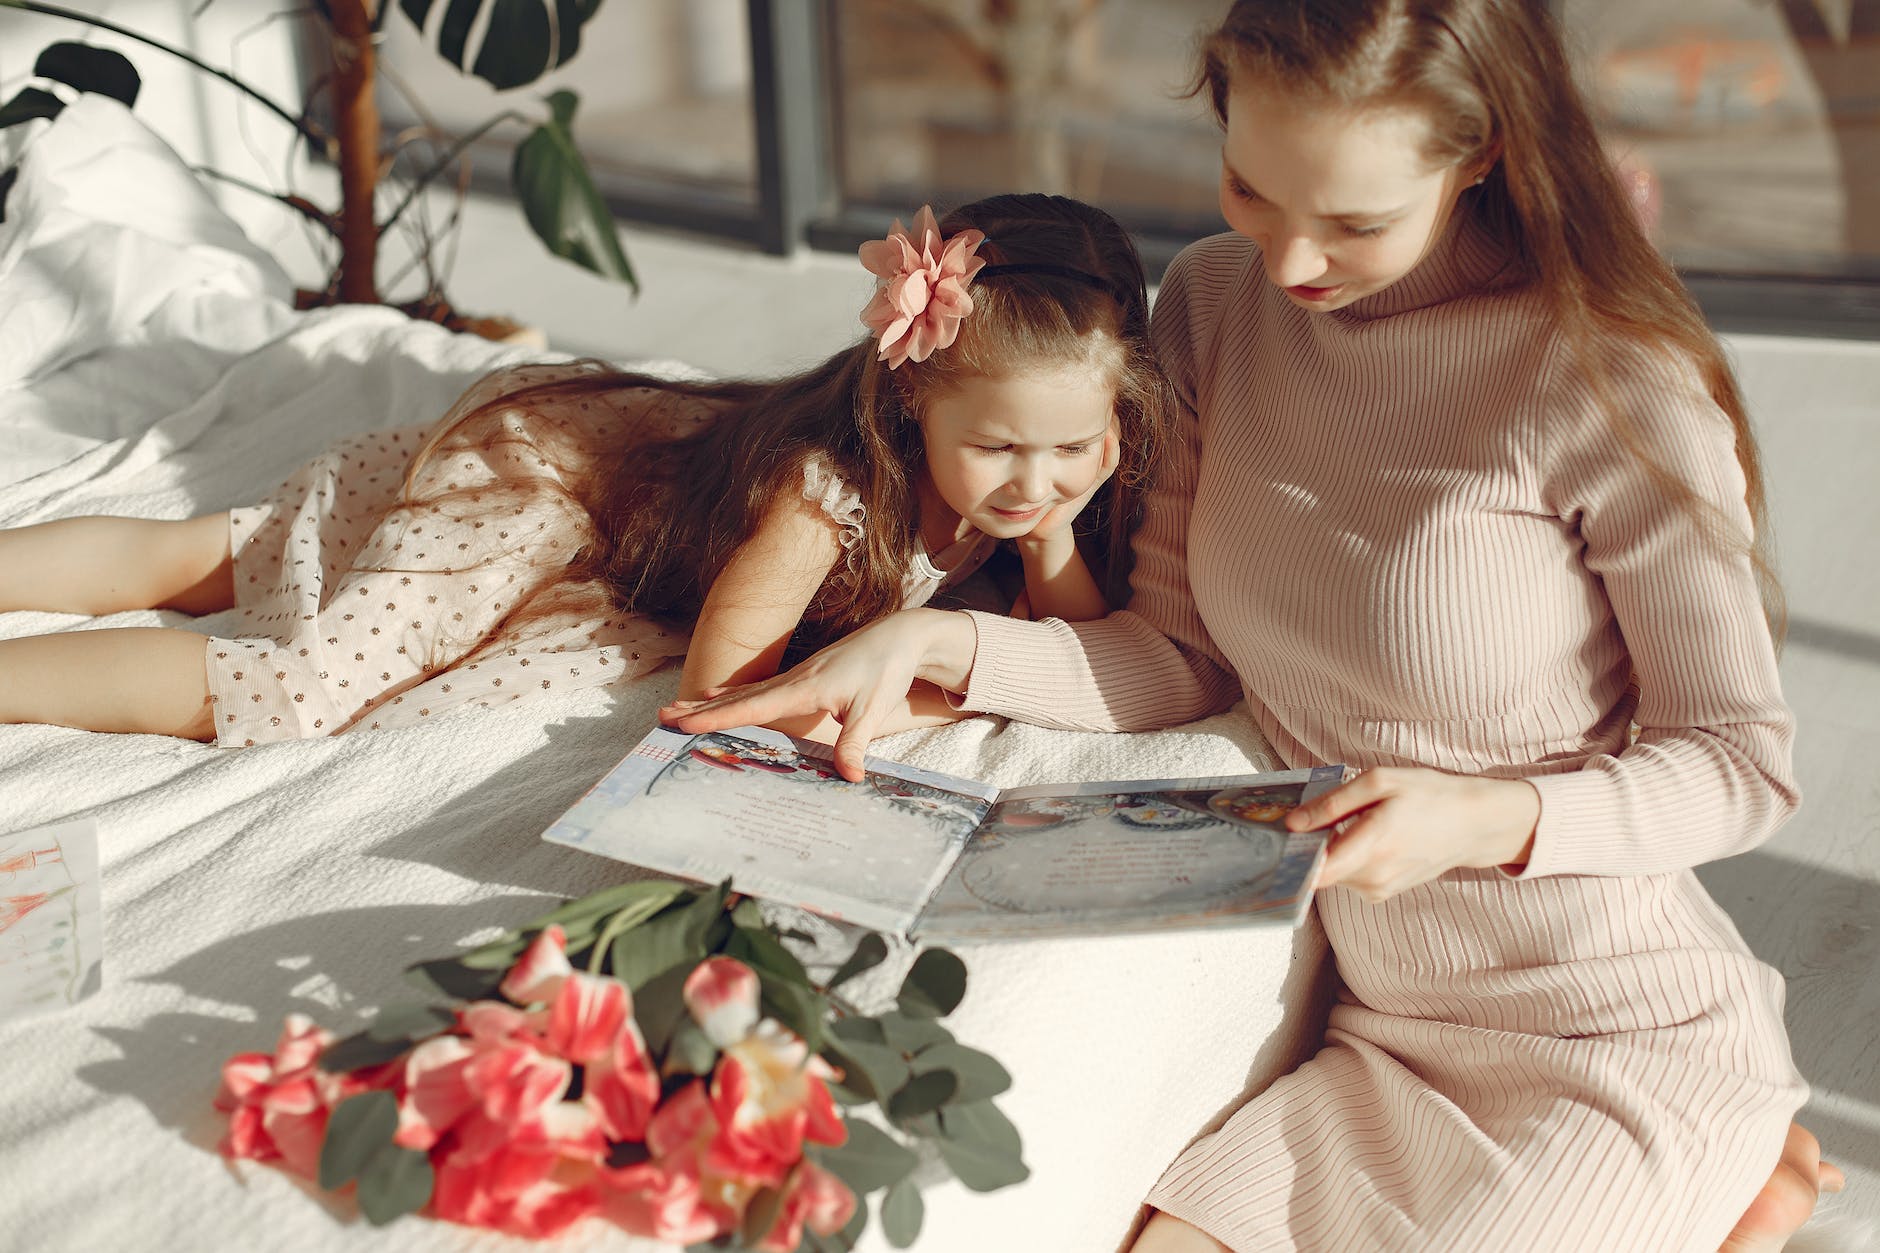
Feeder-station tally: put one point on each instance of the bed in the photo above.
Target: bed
(151, 365)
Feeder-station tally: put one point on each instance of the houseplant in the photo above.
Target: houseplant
(522, 40)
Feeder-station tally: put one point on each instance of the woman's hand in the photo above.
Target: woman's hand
(1405, 826)
(862, 681)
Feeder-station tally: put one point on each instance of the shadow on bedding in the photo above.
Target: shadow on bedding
(336, 967)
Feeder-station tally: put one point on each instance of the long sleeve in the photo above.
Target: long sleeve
(1152, 664)
(1709, 773)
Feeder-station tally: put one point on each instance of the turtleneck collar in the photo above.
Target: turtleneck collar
(1465, 261)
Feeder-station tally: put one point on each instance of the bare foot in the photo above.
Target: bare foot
(1789, 1197)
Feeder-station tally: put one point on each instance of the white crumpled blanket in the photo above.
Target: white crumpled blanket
(150, 365)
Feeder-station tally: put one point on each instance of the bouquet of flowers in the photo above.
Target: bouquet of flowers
(653, 1054)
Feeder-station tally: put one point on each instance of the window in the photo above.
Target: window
(949, 101)
(665, 88)
(1752, 129)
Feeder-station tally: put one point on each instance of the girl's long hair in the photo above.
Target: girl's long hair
(1492, 78)
(656, 519)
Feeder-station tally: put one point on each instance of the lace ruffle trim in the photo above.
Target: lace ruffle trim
(837, 499)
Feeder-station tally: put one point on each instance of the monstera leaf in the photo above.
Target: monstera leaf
(522, 40)
(558, 196)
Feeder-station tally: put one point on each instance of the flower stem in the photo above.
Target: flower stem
(441, 164)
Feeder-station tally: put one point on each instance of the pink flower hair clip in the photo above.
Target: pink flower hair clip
(921, 295)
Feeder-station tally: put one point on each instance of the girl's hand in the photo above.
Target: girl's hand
(1057, 520)
(1405, 826)
(861, 681)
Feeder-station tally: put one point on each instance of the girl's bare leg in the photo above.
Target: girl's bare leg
(139, 679)
(108, 565)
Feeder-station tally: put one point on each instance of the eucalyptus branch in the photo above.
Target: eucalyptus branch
(442, 163)
(299, 204)
(311, 133)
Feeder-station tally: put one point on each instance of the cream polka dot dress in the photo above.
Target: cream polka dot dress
(355, 610)
(358, 611)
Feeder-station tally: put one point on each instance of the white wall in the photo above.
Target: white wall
(204, 119)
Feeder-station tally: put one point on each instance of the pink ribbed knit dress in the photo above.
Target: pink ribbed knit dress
(1409, 533)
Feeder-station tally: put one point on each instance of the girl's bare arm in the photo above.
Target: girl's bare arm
(755, 605)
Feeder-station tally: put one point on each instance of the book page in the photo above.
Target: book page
(1096, 858)
(771, 814)
(51, 923)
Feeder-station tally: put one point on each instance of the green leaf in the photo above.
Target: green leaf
(396, 1182)
(656, 946)
(871, 1068)
(497, 955)
(360, 1126)
(901, 1213)
(86, 68)
(847, 1096)
(870, 951)
(868, 1160)
(922, 1094)
(855, 1027)
(981, 1146)
(796, 1007)
(934, 986)
(749, 914)
(592, 907)
(360, 1050)
(27, 105)
(980, 1075)
(410, 1023)
(659, 1007)
(690, 1052)
(560, 201)
(761, 951)
(524, 39)
(760, 1215)
(911, 1035)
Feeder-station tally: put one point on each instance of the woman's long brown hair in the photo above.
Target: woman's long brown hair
(1492, 78)
(657, 519)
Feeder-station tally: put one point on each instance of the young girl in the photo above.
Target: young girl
(1465, 495)
(562, 526)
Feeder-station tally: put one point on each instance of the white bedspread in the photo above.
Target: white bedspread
(150, 366)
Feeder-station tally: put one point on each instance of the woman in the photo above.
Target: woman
(1468, 492)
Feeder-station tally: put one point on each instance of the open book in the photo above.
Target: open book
(919, 853)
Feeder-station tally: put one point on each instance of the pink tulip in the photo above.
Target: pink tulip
(622, 1087)
(526, 1191)
(587, 1015)
(671, 1196)
(538, 973)
(278, 1104)
(768, 1095)
(721, 993)
(812, 1198)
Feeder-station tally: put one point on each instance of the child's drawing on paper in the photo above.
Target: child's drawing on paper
(51, 933)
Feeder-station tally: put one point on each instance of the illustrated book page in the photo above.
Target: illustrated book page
(922, 853)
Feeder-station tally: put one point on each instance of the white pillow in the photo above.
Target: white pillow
(110, 239)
